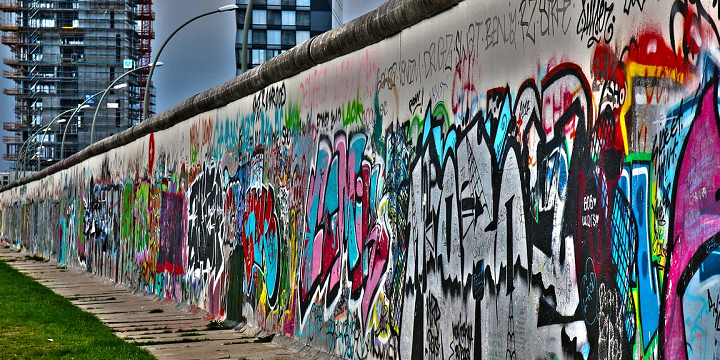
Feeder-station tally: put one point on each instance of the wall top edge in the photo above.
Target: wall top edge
(387, 20)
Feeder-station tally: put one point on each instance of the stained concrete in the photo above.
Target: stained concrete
(163, 328)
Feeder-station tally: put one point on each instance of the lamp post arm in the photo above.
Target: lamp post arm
(97, 108)
(152, 68)
(62, 144)
(42, 141)
(26, 144)
(25, 148)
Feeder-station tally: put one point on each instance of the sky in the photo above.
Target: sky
(202, 55)
(199, 57)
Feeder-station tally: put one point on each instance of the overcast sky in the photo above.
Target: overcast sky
(199, 57)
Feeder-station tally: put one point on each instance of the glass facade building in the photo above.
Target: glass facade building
(278, 25)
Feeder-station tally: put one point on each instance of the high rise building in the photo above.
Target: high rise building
(64, 52)
(278, 25)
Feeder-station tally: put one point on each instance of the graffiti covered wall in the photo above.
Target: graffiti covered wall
(533, 179)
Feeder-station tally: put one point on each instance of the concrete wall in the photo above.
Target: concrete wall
(504, 180)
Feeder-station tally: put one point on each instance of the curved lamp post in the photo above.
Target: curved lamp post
(246, 25)
(42, 140)
(24, 147)
(82, 106)
(155, 61)
(113, 86)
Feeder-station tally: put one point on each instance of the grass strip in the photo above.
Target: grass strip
(36, 323)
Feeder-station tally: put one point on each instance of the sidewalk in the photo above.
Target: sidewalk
(161, 328)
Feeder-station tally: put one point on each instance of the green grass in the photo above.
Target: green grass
(217, 325)
(31, 314)
(190, 334)
(36, 258)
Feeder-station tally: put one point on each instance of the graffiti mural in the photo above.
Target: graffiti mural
(533, 179)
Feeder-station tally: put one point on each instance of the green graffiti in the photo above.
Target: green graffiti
(193, 155)
(352, 112)
(417, 122)
(440, 112)
(293, 121)
(126, 218)
(141, 228)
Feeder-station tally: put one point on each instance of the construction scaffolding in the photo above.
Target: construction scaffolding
(66, 51)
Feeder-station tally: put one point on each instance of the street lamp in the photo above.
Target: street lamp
(246, 25)
(81, 107)
(116, 87)
(25, 148)
(44, 136)
(26, 144)
(152, 69)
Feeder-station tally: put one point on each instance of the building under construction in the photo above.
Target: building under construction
(65, 52)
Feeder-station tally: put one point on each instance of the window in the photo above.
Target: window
(68, 71)
(273, 37)
(301, 36)
(42, 22)
(269, 54)
(302, 18)
(37, 105)
(303, 3)
(118, 55)
(274, 2)
(71, 41)
(288, 18)
(239, 34)
(274, 17)
(44, 88)
(258, 56)
(259, 17)
(288, 38)
(64, 21)
(45, 71)
(258, 37)
(288, 3)
(250, 52)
